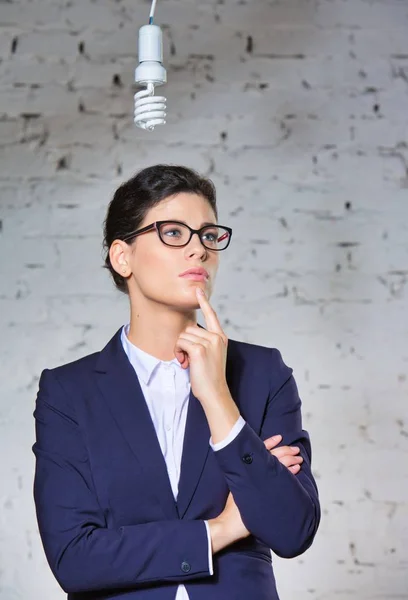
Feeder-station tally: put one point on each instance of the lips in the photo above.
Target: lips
(198, 272)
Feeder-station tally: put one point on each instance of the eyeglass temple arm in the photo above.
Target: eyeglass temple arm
(139, 231)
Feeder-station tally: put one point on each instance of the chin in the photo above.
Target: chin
(188, 298)
(189, 301)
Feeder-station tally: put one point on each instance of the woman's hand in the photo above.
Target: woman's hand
(285, 454)
(228, 527)
(205, 352)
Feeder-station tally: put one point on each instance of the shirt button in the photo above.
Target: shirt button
(185, 567)
(247, 458)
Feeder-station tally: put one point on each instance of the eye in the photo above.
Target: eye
(211, 236)
(169, 232)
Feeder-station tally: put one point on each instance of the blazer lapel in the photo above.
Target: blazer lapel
(121, 390)
(195, 451)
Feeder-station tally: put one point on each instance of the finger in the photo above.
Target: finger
(295, 469)
(196, 339)
(290, 461)
(203, 334)
(281, 451)
(209, 313)
(285, 450)
(182, 357)
(272, 441)
(182, 349)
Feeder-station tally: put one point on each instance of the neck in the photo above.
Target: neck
(155, 328)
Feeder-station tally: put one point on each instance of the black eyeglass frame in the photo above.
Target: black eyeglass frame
(156, 226)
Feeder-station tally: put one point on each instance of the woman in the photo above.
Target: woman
(158, 471)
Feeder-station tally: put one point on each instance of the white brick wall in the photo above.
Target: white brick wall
(309, 114)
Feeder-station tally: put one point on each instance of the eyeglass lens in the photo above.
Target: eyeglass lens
(176, 234)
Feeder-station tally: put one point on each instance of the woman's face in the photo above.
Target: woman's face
(155, 267)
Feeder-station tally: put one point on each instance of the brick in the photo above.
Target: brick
(297, 111)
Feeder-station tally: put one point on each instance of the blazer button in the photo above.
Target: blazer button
(247, 458)
(185, 567)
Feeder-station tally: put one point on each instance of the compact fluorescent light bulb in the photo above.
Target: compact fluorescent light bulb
(150, 109)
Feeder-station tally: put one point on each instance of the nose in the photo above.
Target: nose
(195, 247)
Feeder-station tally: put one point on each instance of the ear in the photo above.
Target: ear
(119, 254)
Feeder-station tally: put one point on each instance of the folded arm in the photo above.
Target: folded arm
(278, 507)
(82, 552)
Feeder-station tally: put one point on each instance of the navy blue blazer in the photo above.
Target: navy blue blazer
(107, 517)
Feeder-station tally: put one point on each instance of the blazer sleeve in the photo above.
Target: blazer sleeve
(281, 509)
(83, 553)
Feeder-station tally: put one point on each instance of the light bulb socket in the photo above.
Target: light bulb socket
(150, 43)
(150, 72)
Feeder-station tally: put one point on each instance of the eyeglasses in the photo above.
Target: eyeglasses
(175, 233)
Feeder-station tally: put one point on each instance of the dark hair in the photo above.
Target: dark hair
(134, 198)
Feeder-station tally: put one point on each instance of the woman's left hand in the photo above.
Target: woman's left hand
(287, 455)
(205, 352)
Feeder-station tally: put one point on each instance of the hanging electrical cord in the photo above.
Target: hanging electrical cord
(150, 109)
(153, 8)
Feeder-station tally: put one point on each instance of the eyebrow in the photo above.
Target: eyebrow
(202, 224)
